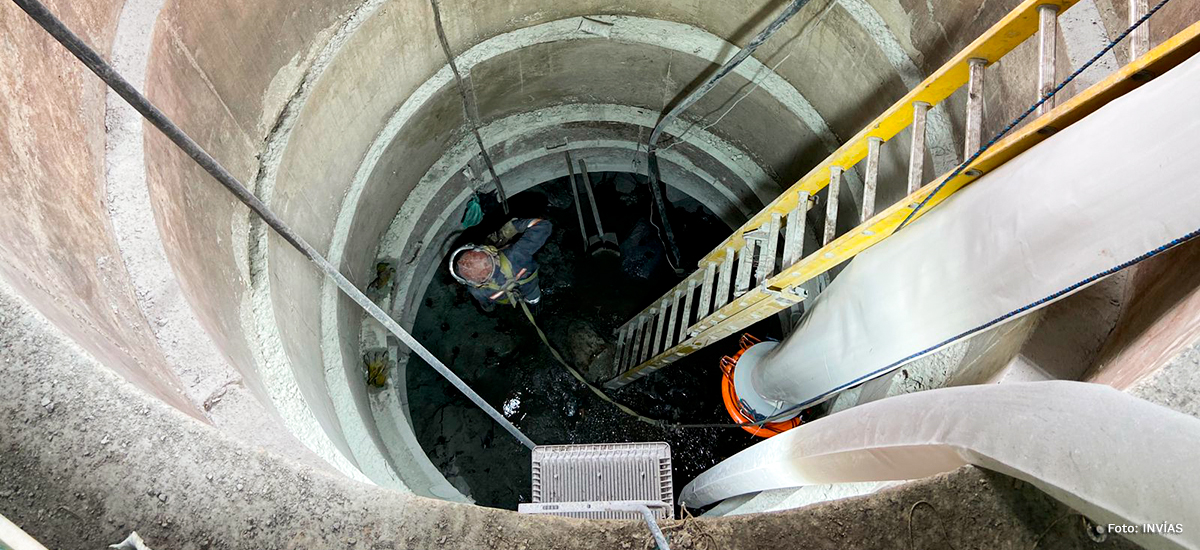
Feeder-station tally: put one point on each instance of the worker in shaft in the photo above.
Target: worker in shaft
(505, 272)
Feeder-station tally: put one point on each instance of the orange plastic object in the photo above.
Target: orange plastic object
(729, 395)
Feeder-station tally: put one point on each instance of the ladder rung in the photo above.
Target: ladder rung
(706, 290)
(648, 348)
(831, 206)
(916, 157)
(770, 248)
(745, 261)
(671, 333)
(651, 335)
(793, 240)
(724, 279)
(656, 343)
(974, 131)
(1047, 40)
(635, 342)
(685, 322)
(620, 353)
(872, 180)
(630, 342)
(1139, 39)
(642, 325)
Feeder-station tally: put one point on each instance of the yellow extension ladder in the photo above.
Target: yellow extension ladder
(738, 283)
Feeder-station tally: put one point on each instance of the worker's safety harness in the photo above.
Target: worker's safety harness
(509, 291)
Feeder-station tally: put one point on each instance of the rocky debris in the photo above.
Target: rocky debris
(603, 367)
(641, 251)
(589, 353)
(624, 183)
(558, 193)
(583, 345)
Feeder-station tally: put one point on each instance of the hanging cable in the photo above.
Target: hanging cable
(755, 84)
(470, 111)
(85, 54)
(92, 60)
(42, 16)
(691, 99)
(622, 407)
(1028, 112)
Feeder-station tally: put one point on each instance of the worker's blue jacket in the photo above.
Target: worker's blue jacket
(517, 260)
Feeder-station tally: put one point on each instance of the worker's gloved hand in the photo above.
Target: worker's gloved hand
(504, 234)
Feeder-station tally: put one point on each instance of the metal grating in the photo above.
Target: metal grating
(605, 472)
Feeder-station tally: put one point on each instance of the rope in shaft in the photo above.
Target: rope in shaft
(692, 98)
(624, 408)
(558, 357)
(469, 110)
(1028, 112)
(42, 16)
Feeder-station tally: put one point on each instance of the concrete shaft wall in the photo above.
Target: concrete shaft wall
(343, 117)
(95, 458)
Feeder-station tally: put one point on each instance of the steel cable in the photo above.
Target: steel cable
(42, 16)
(1028, 112)
(688, 101)
(470, 111)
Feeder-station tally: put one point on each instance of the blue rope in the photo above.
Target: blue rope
(1028, 112)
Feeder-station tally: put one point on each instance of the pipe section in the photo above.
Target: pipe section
(1084, 444)
(1046, 224)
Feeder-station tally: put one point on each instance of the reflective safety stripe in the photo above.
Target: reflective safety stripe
(496, 295)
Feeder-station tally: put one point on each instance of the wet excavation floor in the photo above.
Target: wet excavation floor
(585, 298)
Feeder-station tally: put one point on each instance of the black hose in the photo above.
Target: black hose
(691, 99)
(468, 111)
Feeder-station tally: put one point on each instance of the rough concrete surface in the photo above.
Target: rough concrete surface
(56, 245)
(336, 70)
(1160, 318)
(207, 377)
(1175, 384)
(86, 458)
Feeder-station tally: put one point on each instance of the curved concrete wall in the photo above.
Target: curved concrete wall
(358, 129)
(342, 117)
(56, 242)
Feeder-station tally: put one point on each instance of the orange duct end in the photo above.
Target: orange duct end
(729, 395)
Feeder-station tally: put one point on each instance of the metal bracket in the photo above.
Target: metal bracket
(787, 296)
(642, 507)
(760, 234)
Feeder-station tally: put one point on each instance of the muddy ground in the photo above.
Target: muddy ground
(587, 296)
(86, 458)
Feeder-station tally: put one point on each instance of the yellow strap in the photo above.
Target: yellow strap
(506, 269)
